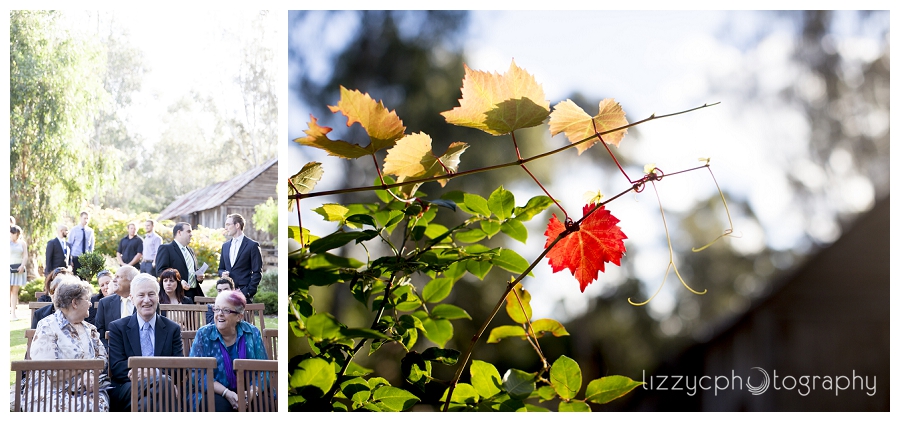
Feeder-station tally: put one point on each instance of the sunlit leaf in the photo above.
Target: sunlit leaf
(584, 252)
(565, 377)
(519, 384)
(332, 212)
(463, 393)
(313, 373)
(304, 181)
(515, 305)
(535, 206)
(383, 127)
(412, 159)
(317, 137)
(511, 261)
(437, 290)
(571, 119)
(395, 399)
(438, 330)
(607, 389)
(546, 325)
(515, 229)
(485, 378)
(506, 331)
(501, 203)
(323, 327)
(499, 104)
(574, 406)
(448, 311)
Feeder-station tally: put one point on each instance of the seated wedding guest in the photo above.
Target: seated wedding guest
(49, 288)
(117, 305)
(170, 288)
(103, 281)
(143, 333)
(229, 338)
(66, 335)
(224, 284)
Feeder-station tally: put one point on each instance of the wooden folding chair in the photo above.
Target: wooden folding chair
(203, 300)
(257, 380)
(191, 317)
(38, 295)
(34, 306)
(46, 385)
(187, 339)
(172, 384)
(253, 313)
(270, 340)
(29, 335)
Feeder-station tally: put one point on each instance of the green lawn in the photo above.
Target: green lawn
(18, 344)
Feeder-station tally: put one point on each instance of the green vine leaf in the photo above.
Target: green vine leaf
(533, 207)
(607, 389)
(394, 399)
(450, 312)
(438, 289)
(305, 180)
(565, 377)
(438, 330)
(546, 325)
(574, 406)
(499, 104)
(321, 327)
(314, 373)
(444, 356)
(463, 393)
(519, 384)
(513, 307)
(506, 331)
(332, 212)
(511, 261)
(515, 229)
(485, 378)
(546, 393)
(357, 390)
(501, 203)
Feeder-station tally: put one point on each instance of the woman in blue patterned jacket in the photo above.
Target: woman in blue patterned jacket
(229, 337)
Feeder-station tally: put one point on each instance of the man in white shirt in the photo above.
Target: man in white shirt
(241, 258)
(81, 239)
(179, 256)
(152, 242)
(117, 305)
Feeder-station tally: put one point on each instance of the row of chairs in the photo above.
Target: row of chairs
(269, 336)
(191, 317)
(183, 377)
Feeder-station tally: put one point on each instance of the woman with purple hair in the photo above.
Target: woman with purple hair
(229, 337)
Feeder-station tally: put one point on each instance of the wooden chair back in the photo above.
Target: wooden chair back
(45, 385)
(253, 313)
(270, 340)
(34, 306)
(29, 336)
(258, 381)
(172, 384)
(203, 300)
(37, 295)
(187, 340)
(191, 317)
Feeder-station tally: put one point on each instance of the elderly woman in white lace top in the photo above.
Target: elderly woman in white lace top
(65, 335)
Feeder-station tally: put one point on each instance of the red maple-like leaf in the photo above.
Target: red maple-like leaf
(584, 252)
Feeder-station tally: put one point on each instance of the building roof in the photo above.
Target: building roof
(213, 195)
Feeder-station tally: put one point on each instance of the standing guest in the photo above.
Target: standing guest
(241, 259)
(104, 279)
(171, 290)
(179, 256)
(57, 251)
(152, 242)
(66, 335)
(131, 248)
(81, 239)
(116, 306)
(229, 338)
(50, 284)
(143, 333)
(18, 256)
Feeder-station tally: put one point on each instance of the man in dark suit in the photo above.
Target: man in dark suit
(241, 259)
(179, 256)
(144, 333)
(58, 251)
(116, 306)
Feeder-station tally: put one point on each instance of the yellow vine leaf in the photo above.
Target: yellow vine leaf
(411, 159)
(305, 180)
(317, 137)
(567, 117)
(499, 104)
(383, 126)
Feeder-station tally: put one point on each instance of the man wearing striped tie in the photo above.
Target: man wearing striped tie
(179, 256)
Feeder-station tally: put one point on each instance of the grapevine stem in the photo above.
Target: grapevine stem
(519, 156)
(488, 168)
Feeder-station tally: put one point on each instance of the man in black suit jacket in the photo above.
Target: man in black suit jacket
(172, 255)
(241, 259)
(58, 251)
(125, 339)
(109, 308)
